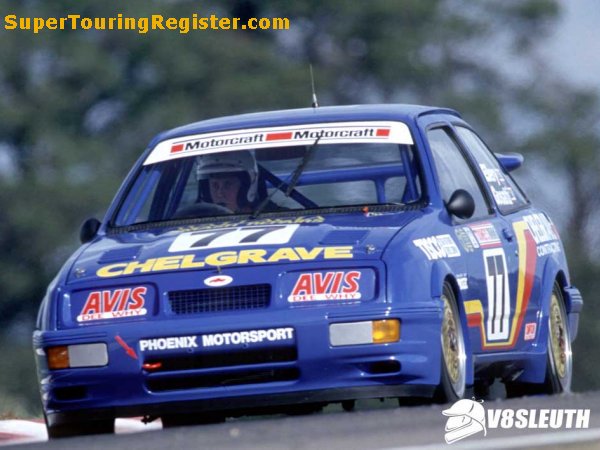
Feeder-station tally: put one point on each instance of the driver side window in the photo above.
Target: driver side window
(453, 170)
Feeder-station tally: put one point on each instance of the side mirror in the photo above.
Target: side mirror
(88, 230)
(461, 204)
(510, 161)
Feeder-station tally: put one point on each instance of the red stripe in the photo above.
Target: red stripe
(176, 148)
(473, 320)
(530, 263)
(279, 136)
(383, 132)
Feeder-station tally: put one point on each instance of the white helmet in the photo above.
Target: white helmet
(227, 162)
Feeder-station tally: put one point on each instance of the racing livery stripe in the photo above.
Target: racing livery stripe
(527, 266)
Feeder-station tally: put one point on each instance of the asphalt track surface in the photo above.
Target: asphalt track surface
(370, 426)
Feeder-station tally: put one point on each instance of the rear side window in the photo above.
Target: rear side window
(453, 170)
(507, 194)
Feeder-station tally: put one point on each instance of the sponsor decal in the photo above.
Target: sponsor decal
(467, 239)
(218, 280)
(541, 228)
(486, 235)
(233, 237)
(501, 189)
(252, 139)
(549, 248)
(463, 282)
(320, 286)
(544, 233)
(248, 337)
(225, 258)
(130, 352)
(114, 304)
(438, 247)
(500, 333)
(168, 343)
(469, 417)
(530, 329)
(255, 222)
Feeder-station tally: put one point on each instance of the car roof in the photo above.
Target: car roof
(399, 112)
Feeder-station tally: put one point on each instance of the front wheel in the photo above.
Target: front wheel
(454, 359)
(64, 430)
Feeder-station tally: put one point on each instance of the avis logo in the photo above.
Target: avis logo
(465, 417)
(326, 286)
(113, 304)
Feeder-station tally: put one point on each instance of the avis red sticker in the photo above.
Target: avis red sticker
(319, 286)
(114, 304)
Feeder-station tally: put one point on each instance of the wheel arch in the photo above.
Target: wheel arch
(440, 275)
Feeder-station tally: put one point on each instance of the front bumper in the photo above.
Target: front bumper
(315, 372)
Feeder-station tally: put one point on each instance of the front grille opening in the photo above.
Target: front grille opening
(222, 359)
(220, 299)
(222, 379)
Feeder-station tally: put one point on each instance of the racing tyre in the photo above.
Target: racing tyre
(454, 359)
(559, 363)
(64, 430)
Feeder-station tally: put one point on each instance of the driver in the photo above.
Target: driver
(232, 179)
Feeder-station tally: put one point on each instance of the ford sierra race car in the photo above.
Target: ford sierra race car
(304, 257)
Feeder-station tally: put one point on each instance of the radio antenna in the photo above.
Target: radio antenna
(315, 104)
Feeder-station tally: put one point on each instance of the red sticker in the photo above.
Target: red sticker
(114, 304)
(326, 286)
(530, 329)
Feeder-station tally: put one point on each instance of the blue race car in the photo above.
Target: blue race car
(303, 257)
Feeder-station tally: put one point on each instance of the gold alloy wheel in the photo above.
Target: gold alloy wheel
(559, 341)
(453, 347)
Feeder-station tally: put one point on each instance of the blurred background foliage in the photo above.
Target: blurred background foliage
(78, 107)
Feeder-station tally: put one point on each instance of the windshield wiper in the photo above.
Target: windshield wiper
(293, 180)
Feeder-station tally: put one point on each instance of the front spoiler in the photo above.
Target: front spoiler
(243, 404)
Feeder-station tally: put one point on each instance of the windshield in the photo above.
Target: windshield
(312, 177)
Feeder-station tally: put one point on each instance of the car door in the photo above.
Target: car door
(485, 242)
(516, 221)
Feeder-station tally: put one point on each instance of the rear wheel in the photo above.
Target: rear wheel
(559, 360)
(454, 359)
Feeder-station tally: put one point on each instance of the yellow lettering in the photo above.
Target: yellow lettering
(256, 256)
(145, 266)
(52, 23)
(284, 253)
(308, 255)
(221, 258)
(10, 22)
(157, 22)
(111, 270)
(166, 263)
(188, 262)
(203, 23)
(224, 23)
(338, 252)
(171, 23)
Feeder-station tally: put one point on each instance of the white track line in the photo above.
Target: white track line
(531, 440)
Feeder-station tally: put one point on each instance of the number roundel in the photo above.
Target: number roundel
(233, 237)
